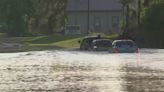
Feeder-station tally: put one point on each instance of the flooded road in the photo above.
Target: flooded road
(73, 71)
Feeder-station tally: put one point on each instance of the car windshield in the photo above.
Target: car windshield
(89, 40)
(103, 43)
(125, 43)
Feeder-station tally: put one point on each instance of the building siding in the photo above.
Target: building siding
(103, 17)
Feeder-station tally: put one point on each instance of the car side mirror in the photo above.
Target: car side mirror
(79, 41)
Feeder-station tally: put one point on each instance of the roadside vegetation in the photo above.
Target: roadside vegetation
(58, 40)
(152, 26)
(32, 17)
(144, 24)
(50, 42)
(67, 41)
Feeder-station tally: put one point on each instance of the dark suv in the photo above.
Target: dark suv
(86, 43)
(102, 45)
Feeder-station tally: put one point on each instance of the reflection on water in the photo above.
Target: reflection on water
(64, 71)
(139, 79)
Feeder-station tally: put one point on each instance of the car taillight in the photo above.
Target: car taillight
(116, 50)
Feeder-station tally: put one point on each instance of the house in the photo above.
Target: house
(93, 16)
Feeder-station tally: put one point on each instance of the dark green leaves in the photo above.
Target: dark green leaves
(13, 12)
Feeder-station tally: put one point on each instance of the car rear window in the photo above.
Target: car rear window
(103, 43)
(89, 40)
(123, 43)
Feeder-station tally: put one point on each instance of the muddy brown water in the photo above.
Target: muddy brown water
(73, 71)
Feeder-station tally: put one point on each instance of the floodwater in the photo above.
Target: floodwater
(73, 71)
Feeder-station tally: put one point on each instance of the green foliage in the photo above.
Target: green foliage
(21, 17)
(15, 14)
(50, 15)
(52, 38)
(153, 22)
(128, 13)
(126, 2)
(62, 41)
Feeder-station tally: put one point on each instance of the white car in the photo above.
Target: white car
(125, 46)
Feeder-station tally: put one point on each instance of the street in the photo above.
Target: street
(74, 71)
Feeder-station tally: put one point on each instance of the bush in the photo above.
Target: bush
(153, 25)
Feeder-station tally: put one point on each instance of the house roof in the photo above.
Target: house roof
(95, 5)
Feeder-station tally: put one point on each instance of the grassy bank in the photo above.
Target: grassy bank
(56, 41)
(61, 41)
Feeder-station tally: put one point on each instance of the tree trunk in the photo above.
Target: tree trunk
(127, 17)
(125, 34)
(50, 25)
(123, 17)
(139, 12)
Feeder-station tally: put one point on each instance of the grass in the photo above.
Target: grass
(73, 43)
(53, 38)
(112, 36)
(3, 35)
(61, 41)
(55, 41)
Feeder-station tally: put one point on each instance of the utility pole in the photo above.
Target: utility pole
(88, 18)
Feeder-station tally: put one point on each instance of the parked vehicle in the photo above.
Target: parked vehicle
(101, 45)
(86, 43)
(124, 46)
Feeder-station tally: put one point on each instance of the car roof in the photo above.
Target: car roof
(90, 37)
(122, 41)
(101, 40)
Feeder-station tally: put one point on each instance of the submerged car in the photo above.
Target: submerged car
(86, 43)
(124, 46)
(101, 45)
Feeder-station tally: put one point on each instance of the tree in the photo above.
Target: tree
(125, 4)
(152, 23)
(50, 15)
(15, 14)
(126, 12)
(139, 12)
